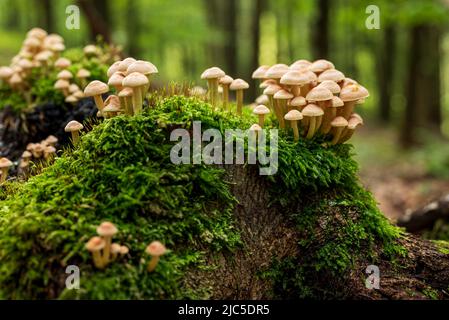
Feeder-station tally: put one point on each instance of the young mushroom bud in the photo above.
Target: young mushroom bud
(5, 164)
(225, 82)
(107, 230)
(74, 128)
(137, 82)
(155, 249)
(96, 89)
(294, 116)
(112, 107)
(261, 111)
(95, 245)
(239, 85)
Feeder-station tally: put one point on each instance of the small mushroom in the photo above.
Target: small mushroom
(270, 92)
(212, 75)
(115, 251)
(320, 66)
(297, 103)
(112, 106)
(276, 72)
(49, 153)
(125, 96)
(96, 89)
(225, 82)
(26, 155)
(107, 230)
(313, 113)
(259, 73)
(95, 245)
(350, 95)
(62, 85)
(261, 111)
(354, 121)
(294, 116)
(332, 75)
(83, 75)
(332, 111)
(147, 69)
(71, 99)
(113, 68)
(323, 98)
(38, 150)
(137, 82)
(74, 128)
(5, 164)
(238, 85)
(263, 99)
(280, 101)
(338, 126)
(332, 86)
(63, 63)
(294, 80)
(65, 75)
(255, 129)
(51, 140)
(155, 249)
(125, 63)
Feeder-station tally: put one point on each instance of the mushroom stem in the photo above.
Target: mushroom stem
(239, 97)
(75, 137)
(278, 111)
(329, 115)
(4, 175)
(99, 102)
(282, 111)
(129, 106)
(318, 123)
(137, 100)
(153, 263)
(347, 109)
(346, 135)
(305, 89)
(296, 90)
(98, 262)
(312, 125)
(337, 134)
(107, 249)
(261, 120)
(294, 125)
(225, 96)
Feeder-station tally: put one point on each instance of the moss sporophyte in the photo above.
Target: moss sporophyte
(190, 149)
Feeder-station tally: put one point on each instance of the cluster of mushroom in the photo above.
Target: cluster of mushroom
(130, 79)
(71, 86)
(216, 80)
(44, 151)
(312, 96)
(102, 249)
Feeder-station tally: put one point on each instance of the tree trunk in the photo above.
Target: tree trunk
(230, 30)
(320, 31)
(97, 16)
(258, 8)
(133, 28)
(386, 72)
(45, 15)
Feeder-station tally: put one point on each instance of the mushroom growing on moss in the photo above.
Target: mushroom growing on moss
(354, 121)
(5, 164)
(261, 111)
(95, 89)
(225, 82)
(212, 75)
(107, 230)
(294, 116)
(313, 113)
(95, 245)
(350, 95)
(280, 101)
(125, 96)
(155, 249)
(74, 128)
(238, 85)
(82, 75)
(137, 82)
(62, 85)
(338, 126)
(112, 106)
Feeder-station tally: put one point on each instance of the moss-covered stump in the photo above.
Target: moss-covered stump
(308, 231)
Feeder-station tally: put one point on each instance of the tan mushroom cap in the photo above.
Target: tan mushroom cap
(37, 33)
(90, 49)
(255, 127)
(339, 122)
(71, 99)
(357, 115)
(65, 74)
(53, 38)
(332, 86)
(337, 102)
(226, 80)
(26, 155)
(283, 95)
(43, 56)
(116, 79)
(311, 75)
(25, 64)
(213, 73)
(272, 89)
(15, 79)
(156, 248)
(113, 68)
(125, 63)
(115, 248)
(277, 71)
(83, 73)
(124, 250)
(50, 149)
(300, 65)
(95, 244)
(32, 42)
(321, 65)
(266, 83)
(144, 67)
(62, 84)
(331, 74)
(135, 79)
(319, 94)
(63, 63)
(57, 47)
(312, 110)
(51, 139)
(239, 84)
(353, 92)
(5, 163)
(294, 78)
(262, 99)
(354, 122)
(259, 73)
(349, 81)
(114, 101)
(73, 88)
(6, 72)
(95, 88)
(298, 102)
(293, 115)
(107, 229)
(126, 92)
(261, 109)
(73, 126)
(78, 94)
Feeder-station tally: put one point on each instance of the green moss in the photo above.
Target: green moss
(121, 172)
(442, 246)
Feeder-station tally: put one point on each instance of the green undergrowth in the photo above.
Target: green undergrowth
(121, 172)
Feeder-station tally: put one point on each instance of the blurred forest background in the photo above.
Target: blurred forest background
(403, 148)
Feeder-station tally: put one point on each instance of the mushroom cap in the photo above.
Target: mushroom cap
(255, 127)
(272, 89)
(73, 88)
(32, 42)
(261, 109)
(353, 92)
(311, 75)
(135, 79)
(65, 74)
(71, 99)
(5, 163)
(112, 100)
(339, 122)
(62, 84)
(321, 65)
(293, 115)
(25, 64)
(259, 73)
(332, 86)
(116, 79)
(124, 250)
(83, 73)
(50, 149)
(26, 154)
(51, 139)
(15, 79)
(38, 147)
(266, 83)
(262, 99)
(156, 248)
(356, 115)
(63, 63)
(300, 65)
(239, 84)
(354, 122)
(107, 229)
(37, 33)
(226, 80)
(73, 126)
(78, 94)
(294, 77)
(348, 81)
(213, 73)
(126, 92)
(95, 244)
(43, 56)
(298, 102)
(90, 49)
(113, 68)
(312, 110)
(125, 63)
(53, 38)
(6, 72)
(143, 67)
(276, 71)
(337, 102)
(331, 74)
(115, 248)
(319, 94)
(283, 95)
(57, 47)
(95, 88)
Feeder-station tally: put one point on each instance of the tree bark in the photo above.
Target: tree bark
(258, 8)
(97, 16)
(320, 31)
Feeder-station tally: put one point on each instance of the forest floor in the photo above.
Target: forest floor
(401, 181)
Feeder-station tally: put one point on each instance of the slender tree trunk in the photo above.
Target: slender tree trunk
(133, 28)
(385, 68)
(320, 30)
(97, 16)
(45, 18)
(259, 7)
(230, 30)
